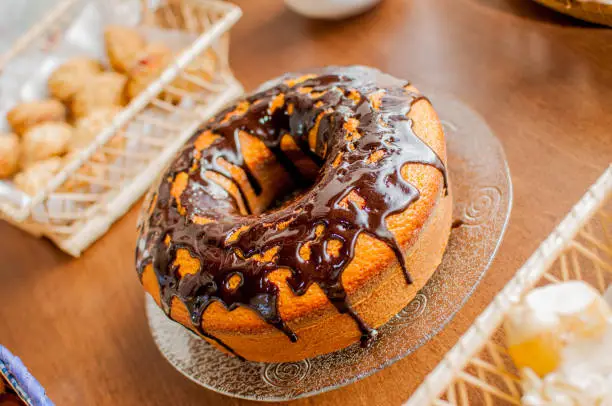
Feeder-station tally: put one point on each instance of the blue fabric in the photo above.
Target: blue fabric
(26, 386)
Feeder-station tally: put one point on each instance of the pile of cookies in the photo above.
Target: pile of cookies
(84, 100)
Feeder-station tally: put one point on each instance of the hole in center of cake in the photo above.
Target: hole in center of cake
(302, 169)
(288, 197)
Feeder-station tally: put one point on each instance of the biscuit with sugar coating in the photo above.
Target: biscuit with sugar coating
(37, 176)
(28, 114)
(87, 128)
(150, 63)
(93, 167)
(104, 90)
(123, 44)
(201, 69)
(44, 141)
(72, 76)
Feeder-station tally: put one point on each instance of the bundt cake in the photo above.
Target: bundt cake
(301, 218)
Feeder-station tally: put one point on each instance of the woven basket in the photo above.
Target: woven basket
(478, 370)
(154, 126)
(595, 11)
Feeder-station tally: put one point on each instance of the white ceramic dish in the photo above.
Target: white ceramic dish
(330, 9)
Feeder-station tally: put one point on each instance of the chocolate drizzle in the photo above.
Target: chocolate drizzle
(363, 139)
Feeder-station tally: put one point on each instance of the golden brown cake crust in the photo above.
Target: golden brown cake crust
(374, 281)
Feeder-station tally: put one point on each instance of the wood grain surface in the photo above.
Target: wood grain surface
(542, 81)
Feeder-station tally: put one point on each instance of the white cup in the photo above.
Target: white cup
(330, 9)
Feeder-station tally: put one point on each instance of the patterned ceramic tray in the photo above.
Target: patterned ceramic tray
(483, 195)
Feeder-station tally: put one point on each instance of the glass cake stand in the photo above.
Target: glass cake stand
(482, 192)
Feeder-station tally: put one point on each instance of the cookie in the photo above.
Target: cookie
(158, 57)
(9, 155)
(34, 178)
(202, 68)
(123, 44)
(72, 76)
(26, 115)
(44, 141)
(94, 167)
(87, 128)
(150, 63)
(104, 90)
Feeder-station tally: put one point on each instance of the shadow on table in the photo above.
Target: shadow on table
(24, 253)
(530, 10)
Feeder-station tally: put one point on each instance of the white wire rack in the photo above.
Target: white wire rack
(81, 202)
(478, 370)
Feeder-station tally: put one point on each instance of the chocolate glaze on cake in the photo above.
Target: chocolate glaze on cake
(356, 113)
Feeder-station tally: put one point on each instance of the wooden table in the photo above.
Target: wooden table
(543, 82)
